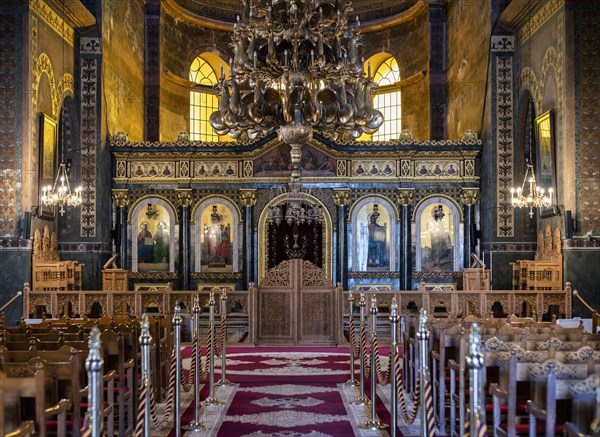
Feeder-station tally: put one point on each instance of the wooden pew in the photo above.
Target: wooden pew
(26, 429)
(113, 347)
(30, 381)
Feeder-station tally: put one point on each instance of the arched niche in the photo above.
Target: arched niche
(372, 235)
(438, 235)
(263, 243)
(216, 235)
(153, 234)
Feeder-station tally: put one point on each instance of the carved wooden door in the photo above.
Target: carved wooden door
(296, 304)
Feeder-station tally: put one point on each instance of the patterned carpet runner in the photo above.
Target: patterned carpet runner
(287, 392)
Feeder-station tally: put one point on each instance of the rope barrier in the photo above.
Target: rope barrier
(171, 390)
(153, 413)
(354, 346)
(408, 418)
(139, 425)
(481, 428)
(429, 413)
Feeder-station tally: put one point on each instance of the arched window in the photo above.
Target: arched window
(202, 103)
(387, 100)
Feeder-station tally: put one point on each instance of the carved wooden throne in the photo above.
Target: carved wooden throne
(296, 304)
(49, 272)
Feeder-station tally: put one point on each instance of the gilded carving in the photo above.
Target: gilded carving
(405, 196)
(184, 169)
(248, 169)
(184, 197)
(248, 197)
(121, 169)
(52, 19)
(341, 197)
(120, 197)
(469, 196)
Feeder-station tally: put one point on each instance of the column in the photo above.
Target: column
(184, 199)
(121, 200)
(405, 198)
(152, 70)
(248, 199)
(438, 80)
(468, 197)
(341, 197)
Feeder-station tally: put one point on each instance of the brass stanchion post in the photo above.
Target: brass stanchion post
(177, 348)
(394, 383)
(224, 381)
(362, 399)
(423, 339)
(373, 424)
(196, 424)
(94, 365)
(352, 381)
(145, 343)
(475, 362)
(211, 400)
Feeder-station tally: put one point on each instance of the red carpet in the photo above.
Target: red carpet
(284, 392)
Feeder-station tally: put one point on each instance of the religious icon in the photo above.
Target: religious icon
(451, 169)
(161, 243)
(423, 170)
(437, 239)
(145, 244)
(216, 245)
(359, 169)
(376, 255)
(153, 239)
(372, 245)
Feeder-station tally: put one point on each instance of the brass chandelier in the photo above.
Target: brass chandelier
(298, 66)
(60, 193)
(536, 196)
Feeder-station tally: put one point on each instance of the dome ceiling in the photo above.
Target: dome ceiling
(222, 13)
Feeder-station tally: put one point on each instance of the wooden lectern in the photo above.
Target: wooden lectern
(113, 278)
(477, 277)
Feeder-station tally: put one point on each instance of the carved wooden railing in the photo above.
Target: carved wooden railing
(479, 303)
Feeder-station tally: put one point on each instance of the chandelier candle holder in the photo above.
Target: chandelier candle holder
(536, 196)
(60, 193)
(297, 67)
(299, 208)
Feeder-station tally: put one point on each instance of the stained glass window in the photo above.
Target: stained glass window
(202, 104)
(387, 100)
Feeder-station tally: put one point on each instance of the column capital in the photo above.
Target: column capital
(405, 196)
(341, 196)
(184, 196)
(120, 197)
(248, 196)
(469, 196)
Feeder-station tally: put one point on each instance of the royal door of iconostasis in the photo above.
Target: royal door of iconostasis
(284, 241)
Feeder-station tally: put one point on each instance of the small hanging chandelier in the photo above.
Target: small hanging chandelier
(536, 196)
(60, 193)
(298, 207)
